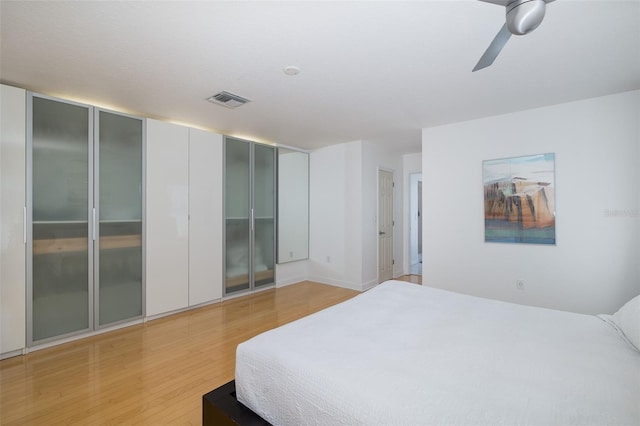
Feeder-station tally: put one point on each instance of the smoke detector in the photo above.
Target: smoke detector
(228, 99)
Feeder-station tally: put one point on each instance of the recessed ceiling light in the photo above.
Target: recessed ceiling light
(291, 70)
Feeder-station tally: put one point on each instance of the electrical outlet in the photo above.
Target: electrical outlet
(520, 284)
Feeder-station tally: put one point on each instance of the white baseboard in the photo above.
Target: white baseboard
(336, 283)
(11, 354)
(290, 281)
(369, 285)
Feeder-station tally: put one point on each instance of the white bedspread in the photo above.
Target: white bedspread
(403, 354)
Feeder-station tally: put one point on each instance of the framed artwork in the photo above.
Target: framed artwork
(519, 199)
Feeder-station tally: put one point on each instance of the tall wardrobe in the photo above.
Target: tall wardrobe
(250, 211)
(85, 215)
(110, 219)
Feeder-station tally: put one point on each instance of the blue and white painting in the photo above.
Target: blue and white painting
(519, 199)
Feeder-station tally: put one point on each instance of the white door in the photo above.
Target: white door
(13, 113)
(205, 216)
(167, 217)
(385, 225)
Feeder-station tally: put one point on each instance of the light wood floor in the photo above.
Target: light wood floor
(153, 373)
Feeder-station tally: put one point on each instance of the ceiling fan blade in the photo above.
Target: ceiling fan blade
(494, 48)
(507, 2)
(499, 2)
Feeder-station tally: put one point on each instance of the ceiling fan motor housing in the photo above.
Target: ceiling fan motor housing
(524, 16)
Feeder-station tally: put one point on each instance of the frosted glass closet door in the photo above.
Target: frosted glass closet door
(60, 168)
(237, 215)
(119, 210)
(264, 213)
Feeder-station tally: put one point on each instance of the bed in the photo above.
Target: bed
(404, 354)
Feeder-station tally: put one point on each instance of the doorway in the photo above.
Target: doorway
(385, 225)
(415, 223)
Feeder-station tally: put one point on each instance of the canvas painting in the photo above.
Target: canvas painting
(519, 199)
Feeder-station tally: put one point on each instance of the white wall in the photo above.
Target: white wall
(329, 207)
(343, 213)
(594, 266)
(292, 272)
(411, 163)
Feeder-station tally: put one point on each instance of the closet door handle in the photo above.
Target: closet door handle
(252, 220)
(93, 225)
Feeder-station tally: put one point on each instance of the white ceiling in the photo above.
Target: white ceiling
(370, 70)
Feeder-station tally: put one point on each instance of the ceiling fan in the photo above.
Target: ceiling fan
(523, 16)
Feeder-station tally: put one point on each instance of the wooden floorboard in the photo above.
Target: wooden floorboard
(416, 279)
(153, 373)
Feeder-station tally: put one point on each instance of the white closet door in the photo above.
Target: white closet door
(167, 224)
(205, 211)
(12, 242)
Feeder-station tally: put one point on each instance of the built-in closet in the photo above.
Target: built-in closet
(109, 219)
(84, 216)
(184, 217)
(250, 210)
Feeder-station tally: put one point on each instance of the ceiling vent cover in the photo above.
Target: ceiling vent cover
(228, 100)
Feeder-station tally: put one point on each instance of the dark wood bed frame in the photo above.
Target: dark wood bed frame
(220, 407)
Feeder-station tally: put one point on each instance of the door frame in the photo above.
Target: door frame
(414, 226)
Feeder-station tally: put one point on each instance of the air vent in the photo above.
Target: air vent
(228, 100)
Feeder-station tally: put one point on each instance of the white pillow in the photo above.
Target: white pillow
(628, 321)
